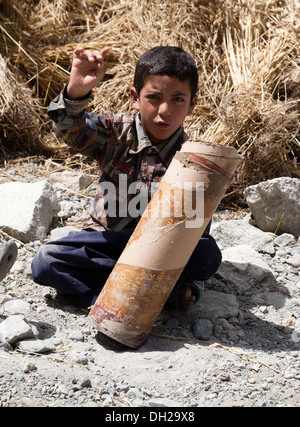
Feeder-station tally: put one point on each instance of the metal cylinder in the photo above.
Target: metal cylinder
(163, 241)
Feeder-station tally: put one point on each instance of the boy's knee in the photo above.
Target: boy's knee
(208, 250)
(209, 245)
(41, 262)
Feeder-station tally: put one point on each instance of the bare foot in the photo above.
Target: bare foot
(185, 297)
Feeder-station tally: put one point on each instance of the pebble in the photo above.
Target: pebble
(203, 329)
(78, 357)
(76, 336)
(29, 366)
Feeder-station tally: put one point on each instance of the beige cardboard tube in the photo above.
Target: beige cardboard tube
(163, 241)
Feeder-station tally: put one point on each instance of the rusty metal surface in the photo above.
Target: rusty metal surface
(157, 252)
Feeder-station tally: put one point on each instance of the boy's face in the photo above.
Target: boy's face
(164, 103)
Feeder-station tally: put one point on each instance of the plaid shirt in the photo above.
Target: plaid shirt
(120, 146)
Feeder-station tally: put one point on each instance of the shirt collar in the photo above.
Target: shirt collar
(165, 149)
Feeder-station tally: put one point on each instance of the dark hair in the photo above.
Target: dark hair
(166, 60)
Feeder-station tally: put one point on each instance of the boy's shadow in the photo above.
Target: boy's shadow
(256, 332)
(255, 329)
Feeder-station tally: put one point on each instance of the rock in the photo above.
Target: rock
(67, 209)
(27, 209)
(76, 336)
(78, 357)
(29, 366)
(284, 239)
(4, 298)
(84, 383)
(242, 265)
(202, 329)
(294, 261)
(36, 345)
(234, 232)
(270, 199)
(15, 328)
(15, 307)
(295, 250)
(163, 402)
(275, 299)
(5, 347)
(213, 305)
(225, 376)
(71, 180)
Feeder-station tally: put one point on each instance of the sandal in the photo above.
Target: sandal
(173, 298)
(8, 256)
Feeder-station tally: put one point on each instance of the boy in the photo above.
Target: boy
(138, 147)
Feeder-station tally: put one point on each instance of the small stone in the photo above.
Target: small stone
(163, 402)
(225, 376)
(78, 357)
(29, 366)
(295, 250)
(76, 336)
(288, 321)
(263, 309)
(203, 329)
(294, 261)
(233, 336)
(84, 382)
(284, 239)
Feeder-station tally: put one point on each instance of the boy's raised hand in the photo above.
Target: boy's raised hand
(87, 71)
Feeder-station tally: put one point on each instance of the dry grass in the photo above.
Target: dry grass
(246, 52)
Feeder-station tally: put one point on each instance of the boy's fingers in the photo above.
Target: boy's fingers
(78, 50)
(92, 56)
(104, 51)
(98, 56)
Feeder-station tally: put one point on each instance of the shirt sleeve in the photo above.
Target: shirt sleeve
(87, 133)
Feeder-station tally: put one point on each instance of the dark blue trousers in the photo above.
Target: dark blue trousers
(80, 263)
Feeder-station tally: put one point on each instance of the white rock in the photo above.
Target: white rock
(270, 199)
(294, 261)
(15, 328)
(76, 336)
(36, 345)
(27, 209)
(29, 366)
(163, 402)
(15, 307)
(233, 233)
(71, 180)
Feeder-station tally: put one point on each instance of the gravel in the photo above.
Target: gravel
(250, 359)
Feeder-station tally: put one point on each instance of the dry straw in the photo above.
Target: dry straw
(246, 51)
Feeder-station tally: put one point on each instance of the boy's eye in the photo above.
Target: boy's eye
(178, 99)
(152, 96)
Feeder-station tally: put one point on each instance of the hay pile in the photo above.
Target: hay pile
(247, 53)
